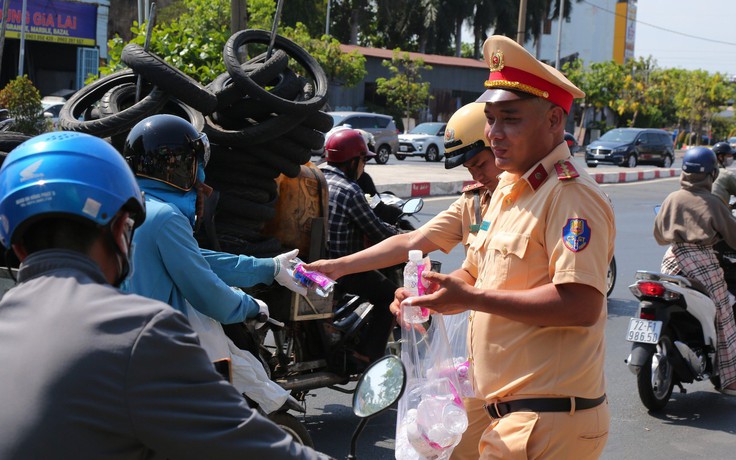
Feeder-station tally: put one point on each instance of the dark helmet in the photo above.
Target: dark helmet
(699, 160)
(464, 135)
(344, 145)
(167, 148)
(69, 175)
(722, 148)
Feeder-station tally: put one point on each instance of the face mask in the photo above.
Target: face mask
(729, 161)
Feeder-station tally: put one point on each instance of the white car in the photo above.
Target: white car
(425, 139)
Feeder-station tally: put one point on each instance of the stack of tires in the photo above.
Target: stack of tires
(262, 118)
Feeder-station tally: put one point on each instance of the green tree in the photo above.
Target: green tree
(194, 38)
(23, 102)
(405, 91)
(601, 82)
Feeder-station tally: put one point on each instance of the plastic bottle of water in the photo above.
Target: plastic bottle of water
(413, 284)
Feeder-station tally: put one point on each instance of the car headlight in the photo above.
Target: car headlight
(619, 150)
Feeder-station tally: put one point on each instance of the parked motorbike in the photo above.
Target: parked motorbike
(674, 334)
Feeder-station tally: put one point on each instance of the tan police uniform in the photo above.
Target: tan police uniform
(544, 386)
(552, 225)
(459, 224)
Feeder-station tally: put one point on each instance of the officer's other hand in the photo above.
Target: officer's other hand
(449, 295)
(282, 274)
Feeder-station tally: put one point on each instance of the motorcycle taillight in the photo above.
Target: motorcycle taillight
(653, 289)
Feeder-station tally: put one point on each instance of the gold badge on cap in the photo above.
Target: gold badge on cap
(497, 61)
(449, 135)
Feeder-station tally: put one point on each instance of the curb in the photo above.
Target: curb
(416, 189)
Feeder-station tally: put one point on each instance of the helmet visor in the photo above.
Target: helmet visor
(173, 165)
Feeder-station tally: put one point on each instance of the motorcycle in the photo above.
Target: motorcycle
(308, 340)
(674, 334)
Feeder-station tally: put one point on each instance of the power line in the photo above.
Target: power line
(711, 40)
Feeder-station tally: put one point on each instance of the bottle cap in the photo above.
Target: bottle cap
(415, 255)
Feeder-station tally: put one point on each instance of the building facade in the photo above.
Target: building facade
(597, 31)
(63, 42)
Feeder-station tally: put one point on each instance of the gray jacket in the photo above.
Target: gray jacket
(694, 215)
(92, 373)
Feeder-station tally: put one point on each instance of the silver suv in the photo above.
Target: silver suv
(382, 127)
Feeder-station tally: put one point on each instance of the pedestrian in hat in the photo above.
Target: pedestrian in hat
(537, 281)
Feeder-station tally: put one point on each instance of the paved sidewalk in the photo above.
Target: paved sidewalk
(419, 178)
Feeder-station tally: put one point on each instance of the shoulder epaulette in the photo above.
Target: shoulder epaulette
(471, 187)
(566, 170)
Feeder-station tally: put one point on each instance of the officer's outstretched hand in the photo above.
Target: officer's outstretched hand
(282, 275)
(449, 295)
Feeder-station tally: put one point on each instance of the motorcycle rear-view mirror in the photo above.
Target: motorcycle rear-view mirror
(412, 206)
(380, 386)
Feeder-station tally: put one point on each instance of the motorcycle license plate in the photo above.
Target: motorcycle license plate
(643, 331)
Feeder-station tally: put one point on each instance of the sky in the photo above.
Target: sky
(689, 34)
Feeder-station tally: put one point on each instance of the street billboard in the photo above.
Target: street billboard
(58, 21)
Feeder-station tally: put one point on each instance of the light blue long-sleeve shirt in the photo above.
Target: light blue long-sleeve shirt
(169, 266)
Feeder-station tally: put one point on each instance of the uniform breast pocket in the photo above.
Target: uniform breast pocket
(508, 251)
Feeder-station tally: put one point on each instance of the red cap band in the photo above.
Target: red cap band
(520, 80)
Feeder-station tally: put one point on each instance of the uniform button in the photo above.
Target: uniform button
(504, 250)
(508, 201)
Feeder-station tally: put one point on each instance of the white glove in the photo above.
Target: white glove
(263, 313)
(281, 272)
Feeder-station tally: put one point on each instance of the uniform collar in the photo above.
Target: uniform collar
(537, 174)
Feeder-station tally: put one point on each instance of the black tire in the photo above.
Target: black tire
(180, 109)
(290, 150)
(11, 139)
(164, 75)
(255, 133)
(238, 207)
(432, 154)
(611, 277)
(293, 426)
(259, 69)
(400, 157)
(382, 154)
(83, 99)
(319, 121)
(309, 138)
(288, 168)
(655, 385)
(666, 162)
(253, 89)
(286, 85)
(631, 161)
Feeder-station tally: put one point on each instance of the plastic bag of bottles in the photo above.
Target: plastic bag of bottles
(431, 415)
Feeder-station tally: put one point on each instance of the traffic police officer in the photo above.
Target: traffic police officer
(537, 329)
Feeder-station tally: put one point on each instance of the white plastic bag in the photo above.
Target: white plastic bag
(248, 374)
(457, 334)
(431, 415)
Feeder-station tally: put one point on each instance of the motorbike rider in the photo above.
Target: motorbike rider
(465, 144)
(725, 184)
(692, 220)
(168, 155)
(90, 372)
(351, 220)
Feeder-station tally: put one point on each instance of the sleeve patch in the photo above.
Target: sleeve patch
(576, 234)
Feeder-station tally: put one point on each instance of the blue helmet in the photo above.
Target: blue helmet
(65, 174)
(699, 160)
